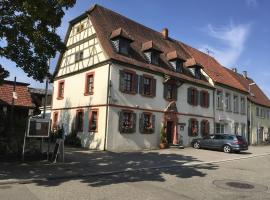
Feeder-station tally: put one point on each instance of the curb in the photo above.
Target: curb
(72, 176)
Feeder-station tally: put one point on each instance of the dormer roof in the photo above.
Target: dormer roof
(120, 32)
(173, 55)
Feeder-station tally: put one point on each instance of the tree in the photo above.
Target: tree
(3, 74)
(27, 34)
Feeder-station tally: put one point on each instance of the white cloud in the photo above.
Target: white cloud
(252, 3)
(230, 40)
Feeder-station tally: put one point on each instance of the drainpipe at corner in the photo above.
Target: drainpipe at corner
(107, 106)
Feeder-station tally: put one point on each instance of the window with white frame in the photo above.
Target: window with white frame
(236, 126)
(243, 105)
(243, 129)
(220, 128)
(235, 104)
(228, 102)
(219, 100)
(257, 111)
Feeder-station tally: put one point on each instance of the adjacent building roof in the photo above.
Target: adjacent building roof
(256, 95)
(24, 96)
(214, 69)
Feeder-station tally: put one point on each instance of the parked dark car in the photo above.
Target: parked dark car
(225, 142)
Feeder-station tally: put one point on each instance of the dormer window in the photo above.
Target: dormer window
(152, 57)
(177, 65)
(121, 41)
(176, 61)
(197, 73)
(151, 52)
(121, 46)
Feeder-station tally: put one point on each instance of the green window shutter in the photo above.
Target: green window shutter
(120, 122)
(196, 97)
(190, 127)
(174, 93)
(207, 100)
(153, 122)
(207, 127)
(165, 91)
(140, 84)
(141, 125)
(133, 128)
(202, 128)
(153, 89)
(202, 103)
(189, 98)
(197, 125)
(121, 81)
(135, 83)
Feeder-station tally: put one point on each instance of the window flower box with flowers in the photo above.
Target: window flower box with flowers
(147, 123)
(193, 128)
(127, 122)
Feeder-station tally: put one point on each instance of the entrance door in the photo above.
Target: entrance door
(169, 132)
(260, 139)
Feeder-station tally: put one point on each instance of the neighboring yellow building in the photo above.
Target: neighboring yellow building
(258, 110)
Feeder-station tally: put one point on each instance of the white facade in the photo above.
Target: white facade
(85, 56)
(229, 117)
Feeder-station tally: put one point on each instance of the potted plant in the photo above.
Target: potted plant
(163, 140)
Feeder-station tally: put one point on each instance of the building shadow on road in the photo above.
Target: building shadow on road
(92, 167)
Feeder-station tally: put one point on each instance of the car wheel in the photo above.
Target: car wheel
(227, 149)
(196, 145)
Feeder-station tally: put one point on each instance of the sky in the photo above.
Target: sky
(236, 32)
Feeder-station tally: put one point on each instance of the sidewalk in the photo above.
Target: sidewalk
(80, 163)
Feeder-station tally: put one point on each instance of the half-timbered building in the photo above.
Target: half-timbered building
(119, 82)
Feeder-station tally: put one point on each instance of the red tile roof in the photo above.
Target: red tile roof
(256, 95)
(214, 69)
(106, 22)
(24, 97)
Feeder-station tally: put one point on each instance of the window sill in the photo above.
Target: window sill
(60, 98)
(132, 93)
(148, 96)
(88, 94)
(205, 106)
(93, 131)
(170, 100)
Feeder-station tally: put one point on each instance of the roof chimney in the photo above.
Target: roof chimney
(234, 69)
(245, 74)
(165, 33)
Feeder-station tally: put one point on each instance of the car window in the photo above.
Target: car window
(229, 137)
(219, 137)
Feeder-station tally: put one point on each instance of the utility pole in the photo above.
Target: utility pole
(45, 99)
(12, 107)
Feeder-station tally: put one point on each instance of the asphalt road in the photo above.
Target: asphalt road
(239, 179)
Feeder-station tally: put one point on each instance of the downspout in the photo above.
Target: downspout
(250, 124)
(214, 109)
(107, 106)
